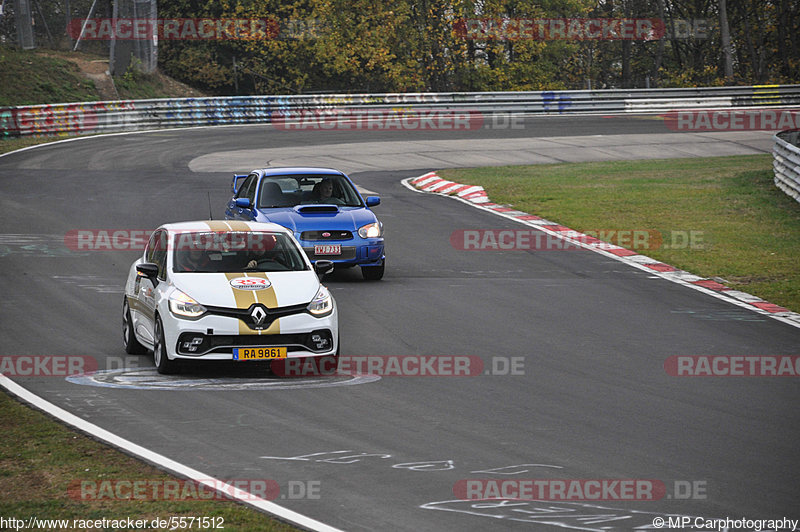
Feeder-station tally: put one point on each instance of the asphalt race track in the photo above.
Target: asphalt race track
(589, 335)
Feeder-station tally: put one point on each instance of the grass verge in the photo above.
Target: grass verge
(746, 230)
(40, 459)
(29, 77)
(44, 76)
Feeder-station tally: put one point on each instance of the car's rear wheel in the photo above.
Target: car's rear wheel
(132, 345)
(373, 273)
(164, 365)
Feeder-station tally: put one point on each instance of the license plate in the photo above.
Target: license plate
(328, 249)
(258, 353)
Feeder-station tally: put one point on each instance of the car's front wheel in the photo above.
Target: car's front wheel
(132, 345)
(373, 273)
(164, 365)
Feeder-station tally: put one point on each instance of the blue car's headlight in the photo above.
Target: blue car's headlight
(322, 304)
(373, 230)
(182, 305)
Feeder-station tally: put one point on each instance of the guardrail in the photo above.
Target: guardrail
(132, 115)
(786, 162)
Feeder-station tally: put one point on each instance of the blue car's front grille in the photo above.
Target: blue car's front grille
(326, 235)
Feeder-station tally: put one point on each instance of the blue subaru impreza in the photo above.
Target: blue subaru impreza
(321, 206)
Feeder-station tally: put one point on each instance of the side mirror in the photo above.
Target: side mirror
(237, 178)
(323, 267)
(244, 203)
(372, 201)
(149, 270)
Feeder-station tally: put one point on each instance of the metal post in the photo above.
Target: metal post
(22, 12)
(67, 12)
(83, 27)
(44, 21)
(235, 77)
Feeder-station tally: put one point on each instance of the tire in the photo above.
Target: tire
(164, 365)
(132, 345)
(373, 273)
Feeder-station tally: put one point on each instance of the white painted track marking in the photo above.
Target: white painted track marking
(162, 461)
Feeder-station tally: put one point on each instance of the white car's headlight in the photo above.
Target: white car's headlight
(373, 230)
(322, 304)
(183, 305)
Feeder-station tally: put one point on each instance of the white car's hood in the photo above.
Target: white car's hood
(236, 290)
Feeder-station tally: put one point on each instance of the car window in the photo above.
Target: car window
(250, 193)
(292, 190)
(160, 254)
(152, 245)
(247, 190)
(237, 251)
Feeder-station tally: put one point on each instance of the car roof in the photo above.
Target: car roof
(297, 170)
(205, 226)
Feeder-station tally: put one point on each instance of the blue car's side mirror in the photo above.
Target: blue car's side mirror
(372, 201)
(244, 203)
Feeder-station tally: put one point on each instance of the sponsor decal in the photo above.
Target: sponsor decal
(250, 283)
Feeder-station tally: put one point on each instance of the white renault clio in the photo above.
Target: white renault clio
(233, 290)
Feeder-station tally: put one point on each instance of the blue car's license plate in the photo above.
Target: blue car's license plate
(328, 249)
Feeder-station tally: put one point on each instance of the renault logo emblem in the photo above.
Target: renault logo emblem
(258, 314)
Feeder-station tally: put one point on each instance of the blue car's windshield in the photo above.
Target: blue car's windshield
(291, 190)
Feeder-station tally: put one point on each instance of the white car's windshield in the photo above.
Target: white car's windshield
(235, 251)
(292, 190)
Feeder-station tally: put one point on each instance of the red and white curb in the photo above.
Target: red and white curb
(476, 196)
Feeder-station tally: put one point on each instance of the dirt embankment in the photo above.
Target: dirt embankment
(96, 69)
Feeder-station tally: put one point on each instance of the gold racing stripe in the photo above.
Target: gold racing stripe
(228, 225)
(238, 225)
(135, 305)
(245, 298)
(218, 225)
